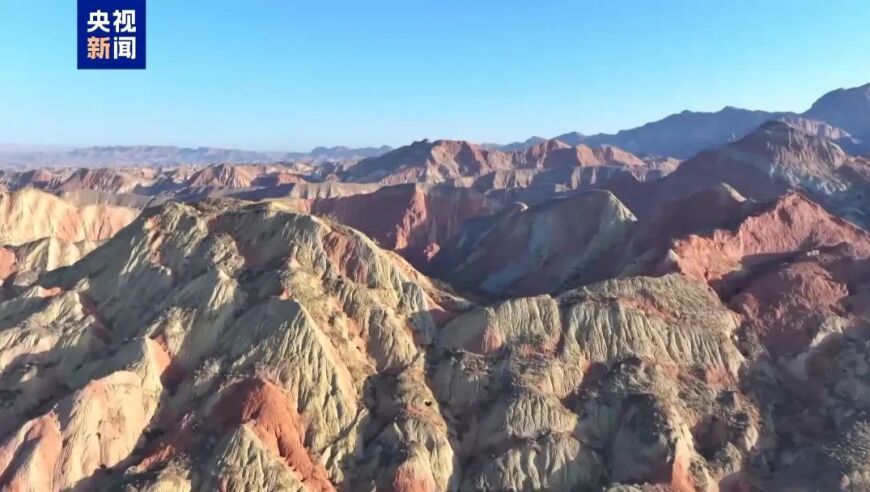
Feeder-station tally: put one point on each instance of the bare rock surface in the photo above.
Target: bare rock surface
(769, 162)
(223, 345)
(30, 214)
(267, 326)
(531, 250)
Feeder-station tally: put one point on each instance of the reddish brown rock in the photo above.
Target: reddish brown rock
(222, 175)
(767, 163)
(110, 180)
(275, 421)
(30, 214)
(413, 475)
(413, 220)
(443, 160)
(428, 162)
(790, 224)
(788, 304)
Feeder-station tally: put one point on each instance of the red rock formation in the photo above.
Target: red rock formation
(225, 175)
(718, 207)
(773, 160)
(411, 478)
(273, 417)
(790, 224)
(787, 304)
(7, 263)
(428, 162)
(412, 220)
(277, 179)
(449, 159)
(111, 180)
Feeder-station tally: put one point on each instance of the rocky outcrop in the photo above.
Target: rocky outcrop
(806, 326)
(40, 232)
(582, 389)
(29, 215)
(773, 160)
(108, 180)
(555, 154)
(223, 345)
(532, 250)
(819, 128)
(412, 220)
(23, 264)
(768, 233)
(443, 160)
(428, 161)
(215, 290)
(224, 175)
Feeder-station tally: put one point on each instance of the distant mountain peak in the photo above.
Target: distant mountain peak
(839, 114)
(848, 109)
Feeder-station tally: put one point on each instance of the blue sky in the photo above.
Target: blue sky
(292, 74)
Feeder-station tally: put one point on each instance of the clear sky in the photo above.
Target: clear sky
(292, 74)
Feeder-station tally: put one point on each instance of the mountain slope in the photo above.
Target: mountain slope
(444, 160)
(844, 115)
(221, 345)
(534, 250)
(684, 134)
(224, 345)
(848, 109)
(412, 220)
(29, 214)
(429, 162)
(767, 163)
(185, 292)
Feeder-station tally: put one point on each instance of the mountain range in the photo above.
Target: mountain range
(565, 314)
(843, 114)
(22, 156)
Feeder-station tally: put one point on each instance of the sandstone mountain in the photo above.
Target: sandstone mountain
(684, 134)
(842, 115)
(447, 317)
(533, 250)
(412, 220)
(40, 232)
(23, 264)
(765, 164)
(30, 214)
(444, 160)
(228, 345)
(186, 296)
(430, 162)
(221, 175)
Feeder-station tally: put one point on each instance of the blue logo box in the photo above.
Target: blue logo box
(111, 34)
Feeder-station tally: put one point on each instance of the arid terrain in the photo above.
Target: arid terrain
(682, 306)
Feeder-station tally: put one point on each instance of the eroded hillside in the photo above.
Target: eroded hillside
(445, 317)
(231, 346)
